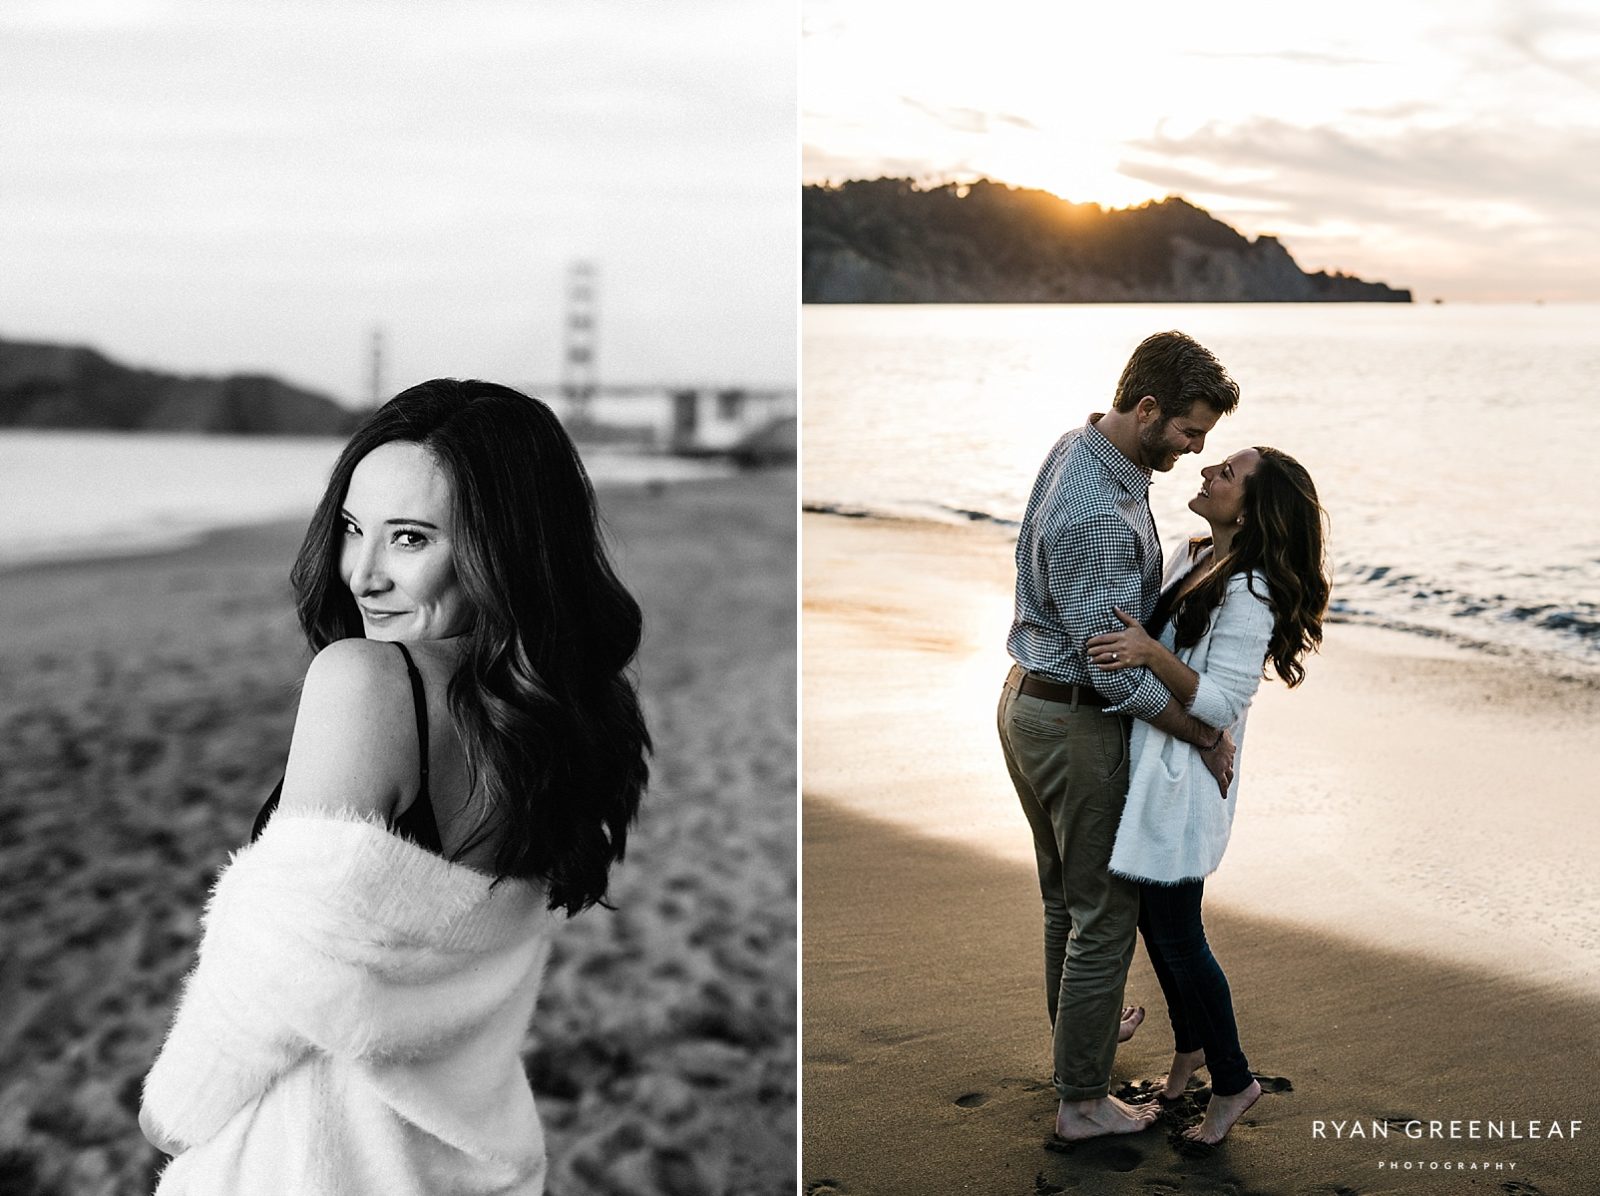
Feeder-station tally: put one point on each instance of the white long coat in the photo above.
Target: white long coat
(354, 1023)
(1175, 825)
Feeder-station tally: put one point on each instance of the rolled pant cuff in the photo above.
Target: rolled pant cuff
(1095, 1092)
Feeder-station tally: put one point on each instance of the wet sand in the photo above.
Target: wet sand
(145, 710)
(1406, 912)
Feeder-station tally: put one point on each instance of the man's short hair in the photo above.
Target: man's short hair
(1177, 371)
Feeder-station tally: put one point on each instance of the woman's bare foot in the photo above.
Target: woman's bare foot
(1132, 1018)
(1184, 1065)
(1221, 1113)
(1079, 1119)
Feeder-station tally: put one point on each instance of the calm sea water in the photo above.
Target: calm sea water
(71, 494)
(1453, 445)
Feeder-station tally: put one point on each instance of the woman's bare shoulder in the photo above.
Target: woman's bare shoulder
(353, 664)
(354, 740)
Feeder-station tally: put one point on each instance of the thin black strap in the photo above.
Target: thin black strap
(418, 822)
(420, 702)
(264, 815)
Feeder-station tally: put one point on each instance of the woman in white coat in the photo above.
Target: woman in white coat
(1251, 594)
(468, 756)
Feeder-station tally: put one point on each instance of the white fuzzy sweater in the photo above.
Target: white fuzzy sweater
(354, 1024)
(1175, 825)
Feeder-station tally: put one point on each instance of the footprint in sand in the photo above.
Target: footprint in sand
(1512, 1188)
(1272, 1083)
(972, 1100)
(1101, 1152)
(1188, 1148)
(1026, 1084)
(1119, 1158)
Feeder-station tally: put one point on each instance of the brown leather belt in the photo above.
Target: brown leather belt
(1035, 686)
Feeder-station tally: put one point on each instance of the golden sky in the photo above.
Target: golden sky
(1442, 147)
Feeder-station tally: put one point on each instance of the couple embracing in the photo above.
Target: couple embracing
(1123, 718)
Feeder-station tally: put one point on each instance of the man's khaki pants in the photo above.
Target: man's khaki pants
(1070, 768)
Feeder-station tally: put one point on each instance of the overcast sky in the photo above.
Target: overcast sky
(213, 185)
(1449, 148)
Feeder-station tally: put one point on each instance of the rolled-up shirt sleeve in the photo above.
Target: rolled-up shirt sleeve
(1091, 567)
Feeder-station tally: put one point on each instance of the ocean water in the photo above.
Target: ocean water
(1453, 446)
(75, 494)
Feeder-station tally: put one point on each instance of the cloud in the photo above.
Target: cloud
(1503, 203)
(1543, 170)
(1545, 36)
(1400, 110)
(967, 120)
(828, 28)
(1298, 57)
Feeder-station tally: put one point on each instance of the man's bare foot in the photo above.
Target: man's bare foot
(1221, 1113)
(1132, 1018)
(1079, 1119)
(1184, 1065)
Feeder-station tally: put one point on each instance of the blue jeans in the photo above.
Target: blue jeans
(1198, 999)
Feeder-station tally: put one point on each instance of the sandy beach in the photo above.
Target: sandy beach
(145, 710)
(1406, 912)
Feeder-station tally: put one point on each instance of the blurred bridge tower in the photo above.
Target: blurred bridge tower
(377, 397)
(578, 374)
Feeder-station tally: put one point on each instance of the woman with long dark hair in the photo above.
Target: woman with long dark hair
(1252, 594)
(467, 758)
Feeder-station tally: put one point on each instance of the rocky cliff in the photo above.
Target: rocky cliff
(70, 386)
(886, 241)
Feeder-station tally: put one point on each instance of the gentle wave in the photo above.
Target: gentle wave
(931, 512)
(1413, 422)
(1387, 592)
(1384, 596)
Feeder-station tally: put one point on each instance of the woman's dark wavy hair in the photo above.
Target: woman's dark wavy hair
(1281, 541)
(546, 709)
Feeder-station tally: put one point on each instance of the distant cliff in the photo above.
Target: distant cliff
(885, 241)
(69, 386)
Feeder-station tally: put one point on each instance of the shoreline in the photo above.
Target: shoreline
(208, 540)
(202, 543)
(1557, 666)
(1404, 910)
(1382, 783)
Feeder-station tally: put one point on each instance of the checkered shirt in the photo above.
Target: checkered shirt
(1088, 543)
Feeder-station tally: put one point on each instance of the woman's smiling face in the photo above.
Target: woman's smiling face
(1221, 497)
(398, 558)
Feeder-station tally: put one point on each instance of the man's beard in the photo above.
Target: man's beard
(1155, 450)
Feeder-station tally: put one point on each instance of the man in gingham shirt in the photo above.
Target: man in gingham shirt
(1088, 544)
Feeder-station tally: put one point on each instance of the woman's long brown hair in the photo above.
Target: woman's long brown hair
(543, 698)
(1281, 542)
